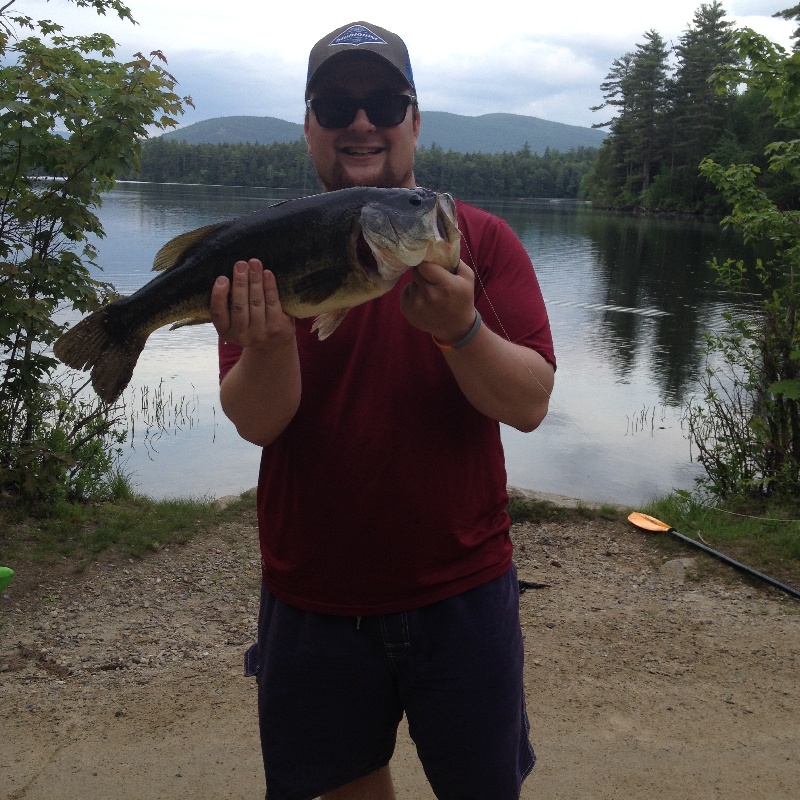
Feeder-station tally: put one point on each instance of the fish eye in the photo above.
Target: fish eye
(415, 200)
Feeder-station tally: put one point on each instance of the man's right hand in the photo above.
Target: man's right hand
(261, 392)
(249, 312)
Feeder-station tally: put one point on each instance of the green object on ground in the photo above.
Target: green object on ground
(6, 574)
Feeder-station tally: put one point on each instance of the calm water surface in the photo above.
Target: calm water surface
(629, 300)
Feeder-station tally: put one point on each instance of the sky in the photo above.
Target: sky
(543, 59)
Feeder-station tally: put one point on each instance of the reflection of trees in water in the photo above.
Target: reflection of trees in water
(663, 264)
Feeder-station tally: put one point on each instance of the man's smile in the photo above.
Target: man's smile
(361, 151)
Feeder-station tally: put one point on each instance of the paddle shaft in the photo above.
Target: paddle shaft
(736, 564)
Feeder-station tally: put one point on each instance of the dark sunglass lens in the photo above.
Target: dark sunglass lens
(334, 112)
(387, 111)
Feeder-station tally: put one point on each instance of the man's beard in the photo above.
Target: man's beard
(387, 178)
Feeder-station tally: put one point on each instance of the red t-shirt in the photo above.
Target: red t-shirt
(387, 491)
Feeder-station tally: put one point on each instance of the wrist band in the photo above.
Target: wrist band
(473, 332)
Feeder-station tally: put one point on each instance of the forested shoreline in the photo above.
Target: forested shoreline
(288, 165)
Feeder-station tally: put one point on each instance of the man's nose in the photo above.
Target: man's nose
(361, 121)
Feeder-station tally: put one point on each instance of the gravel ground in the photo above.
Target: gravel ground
(649, 676)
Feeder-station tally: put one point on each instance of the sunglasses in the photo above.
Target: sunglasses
(382, 110)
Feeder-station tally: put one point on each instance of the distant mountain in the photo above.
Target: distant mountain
(489, 133)
(237, 130)
(503, 133)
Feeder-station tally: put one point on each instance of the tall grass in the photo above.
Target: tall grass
(765, 536)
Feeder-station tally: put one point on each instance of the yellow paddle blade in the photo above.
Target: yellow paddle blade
(648, 523)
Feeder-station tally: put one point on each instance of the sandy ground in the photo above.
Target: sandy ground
(645, 679)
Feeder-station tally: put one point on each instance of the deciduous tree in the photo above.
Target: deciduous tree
(72, 117)
(748, 429)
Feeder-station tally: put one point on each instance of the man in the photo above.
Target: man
(388, 586)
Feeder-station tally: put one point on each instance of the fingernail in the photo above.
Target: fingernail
(221, 280)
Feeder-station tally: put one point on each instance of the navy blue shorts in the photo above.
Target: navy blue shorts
(332, 691)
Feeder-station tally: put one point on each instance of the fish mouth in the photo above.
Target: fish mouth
(400, 238)
(366, 258)
(447, 219)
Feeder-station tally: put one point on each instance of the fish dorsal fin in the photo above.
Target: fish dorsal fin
(170, 254)
(317, 286)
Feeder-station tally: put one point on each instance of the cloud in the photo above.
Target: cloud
(755, 8)
(241, 57)
(542, 79)
(225, 84)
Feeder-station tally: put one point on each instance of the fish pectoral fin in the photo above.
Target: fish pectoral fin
(172, 252)
(316, 287)
(325, 324)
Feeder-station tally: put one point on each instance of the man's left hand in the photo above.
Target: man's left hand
(440, 302)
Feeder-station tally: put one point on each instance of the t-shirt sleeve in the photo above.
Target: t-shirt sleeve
(228, 355)
(507, 290)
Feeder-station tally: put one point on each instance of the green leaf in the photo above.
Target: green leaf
(790, 389)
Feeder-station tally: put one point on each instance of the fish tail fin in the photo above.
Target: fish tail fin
(92, 344)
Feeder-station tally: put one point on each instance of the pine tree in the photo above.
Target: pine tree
(699, 111)
(792, 13)
(649, 89)
(637, 86)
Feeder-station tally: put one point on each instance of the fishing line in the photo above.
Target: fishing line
(505, 333)
(645, 312)
(757, 517)
(752, 516)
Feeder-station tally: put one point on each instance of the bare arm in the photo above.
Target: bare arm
(505, 381)
(261, 392)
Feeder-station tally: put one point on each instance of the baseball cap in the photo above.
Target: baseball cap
(360, 37)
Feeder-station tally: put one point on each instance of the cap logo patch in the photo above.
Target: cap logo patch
(356, 35)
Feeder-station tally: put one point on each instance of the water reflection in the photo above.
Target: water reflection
(629, 300)
(650, 262)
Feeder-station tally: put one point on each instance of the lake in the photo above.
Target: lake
(629, 301)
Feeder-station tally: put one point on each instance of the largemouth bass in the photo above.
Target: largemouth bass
(329, 252)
